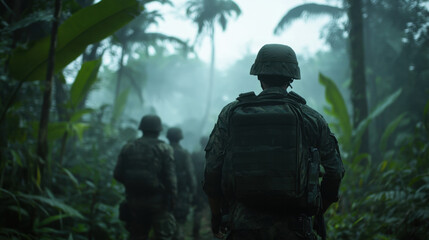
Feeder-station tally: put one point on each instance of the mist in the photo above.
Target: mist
(68, 112)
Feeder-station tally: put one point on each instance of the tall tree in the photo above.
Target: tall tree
(42, 145)
(136, 34)
(357, 62)
(356, 52)
(205, 13)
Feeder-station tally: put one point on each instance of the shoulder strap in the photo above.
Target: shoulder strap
(296, 97)
(246, 96)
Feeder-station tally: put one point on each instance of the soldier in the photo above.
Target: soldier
(146, 168)
(263, 156)
(200, 200)
(185, 180)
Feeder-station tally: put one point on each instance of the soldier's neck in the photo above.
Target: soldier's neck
(151, 135)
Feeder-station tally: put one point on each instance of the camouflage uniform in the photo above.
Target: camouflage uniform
(248, 223)
(146, 167)
(185, 185)
(200, 200)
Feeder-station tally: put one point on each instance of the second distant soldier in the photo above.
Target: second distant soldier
(201, 202)
(185, 180)
(146, 167)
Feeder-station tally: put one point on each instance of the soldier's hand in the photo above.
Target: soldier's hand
(216, 222)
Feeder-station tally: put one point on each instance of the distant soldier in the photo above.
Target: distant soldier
(263, 158)
(185, 180)
(146, 167)
(200, 199)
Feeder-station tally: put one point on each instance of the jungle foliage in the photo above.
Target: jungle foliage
(70, 193)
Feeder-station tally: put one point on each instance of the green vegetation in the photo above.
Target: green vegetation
(110, 69)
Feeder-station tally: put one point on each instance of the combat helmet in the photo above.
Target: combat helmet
(276, 59)
(150, 123)
(174, 134)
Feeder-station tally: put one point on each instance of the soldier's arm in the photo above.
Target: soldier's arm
(333, 165)
(215, 152)
(169, 170)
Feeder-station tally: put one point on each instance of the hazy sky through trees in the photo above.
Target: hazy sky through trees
(252, 29)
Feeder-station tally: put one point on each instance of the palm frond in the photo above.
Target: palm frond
(311, 9)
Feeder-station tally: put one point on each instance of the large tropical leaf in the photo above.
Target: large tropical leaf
(393, 125)
(338, 108)
(84, 80)
(53, 203)
(87, 26)
(310, 9)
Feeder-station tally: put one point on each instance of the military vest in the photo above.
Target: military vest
(142, 167)
(266, 162)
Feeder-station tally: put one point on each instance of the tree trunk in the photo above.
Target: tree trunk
(42, 145)
(120, 72)
(357, 62)
(211, 79)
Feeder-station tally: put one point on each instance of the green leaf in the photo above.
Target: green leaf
(88, 25)
(78, 114)
(16, 157)
(85, 78)
(71, 176)
(120, 105)
(338, 108)
(310, 9)
(357, 159)
(79, 128)
(389, 130)
(21, 211)
(56, 130)
(51, 219)
(359, 131)
(53, 203)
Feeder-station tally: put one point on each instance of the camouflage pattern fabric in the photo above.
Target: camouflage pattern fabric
(186, 187)
(185, 182)
(200, 199)
(162, 222)
(198, 160)
(316, 133)
(146, 167)
(278, 231)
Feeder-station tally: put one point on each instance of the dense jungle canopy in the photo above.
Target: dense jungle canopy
(76, 76)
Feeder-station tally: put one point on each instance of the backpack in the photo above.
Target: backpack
(266, 163)
(142, 167)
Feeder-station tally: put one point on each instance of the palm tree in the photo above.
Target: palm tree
(357, 63)
(136, 33)
(206, 13)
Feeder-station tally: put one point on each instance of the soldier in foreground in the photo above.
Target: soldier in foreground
(146, 168)
(185, 180)
(200, 200)
(263, 156)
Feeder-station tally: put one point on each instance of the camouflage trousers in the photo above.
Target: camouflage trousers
(162, 222)
(278, 231)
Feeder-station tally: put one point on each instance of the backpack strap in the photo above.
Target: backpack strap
(246, 96)
(293, 95)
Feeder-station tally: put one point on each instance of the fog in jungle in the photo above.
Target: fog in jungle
(176, 87)
(174, 84)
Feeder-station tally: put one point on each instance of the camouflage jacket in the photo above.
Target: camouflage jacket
(198, 159)
(316, 133)
(146, 165)
(184, 170)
